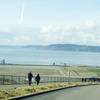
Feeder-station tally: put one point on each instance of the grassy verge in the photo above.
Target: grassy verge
(20, 91)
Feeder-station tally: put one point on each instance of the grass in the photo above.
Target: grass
(96, 70)
(19, 91)
(20, 70)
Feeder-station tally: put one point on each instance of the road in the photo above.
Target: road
(78, 93)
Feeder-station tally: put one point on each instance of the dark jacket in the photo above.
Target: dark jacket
(37, 78)
(30, 75)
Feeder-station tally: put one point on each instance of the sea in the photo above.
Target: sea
(48, 57)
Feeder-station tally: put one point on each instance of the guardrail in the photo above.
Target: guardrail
(10, 79)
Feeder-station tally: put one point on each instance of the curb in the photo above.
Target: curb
(48, 91)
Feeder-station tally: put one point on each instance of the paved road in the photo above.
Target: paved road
(79, 93)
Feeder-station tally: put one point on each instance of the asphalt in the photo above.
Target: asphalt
(77, 93)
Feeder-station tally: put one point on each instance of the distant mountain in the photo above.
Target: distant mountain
(65, 47)
(72, 47)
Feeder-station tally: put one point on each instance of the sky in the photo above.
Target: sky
(43, 22)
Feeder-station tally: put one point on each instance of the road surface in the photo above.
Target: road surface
(77, 93)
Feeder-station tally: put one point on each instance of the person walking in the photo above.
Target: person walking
(37, 79)
(30, 76)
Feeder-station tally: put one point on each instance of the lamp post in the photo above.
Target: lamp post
(68, 74)
(68, 67)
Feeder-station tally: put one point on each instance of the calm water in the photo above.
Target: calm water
(34, 56)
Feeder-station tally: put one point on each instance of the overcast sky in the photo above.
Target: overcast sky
(44, 22)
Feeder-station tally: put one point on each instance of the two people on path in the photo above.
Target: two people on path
(30, 76)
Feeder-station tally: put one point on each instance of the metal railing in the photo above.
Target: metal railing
(10, 79)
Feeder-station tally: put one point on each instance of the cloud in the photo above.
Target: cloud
(86, 33)
(51, 28)
(23, 39)
(89, 24)
(84, 26)
(74, 38)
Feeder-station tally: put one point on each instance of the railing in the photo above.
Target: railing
(45, 79)
(10, 79)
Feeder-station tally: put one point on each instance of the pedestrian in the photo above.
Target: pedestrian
(30, 76)
(37, 79)
(82, 80)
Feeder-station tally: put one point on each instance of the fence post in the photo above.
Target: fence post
(25, 81)
(19, 80)
(12, 79)
(3, 80)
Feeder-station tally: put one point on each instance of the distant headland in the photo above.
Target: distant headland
(65, 47)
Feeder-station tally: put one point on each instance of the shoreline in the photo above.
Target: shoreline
(49, 65)
(29, 66)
